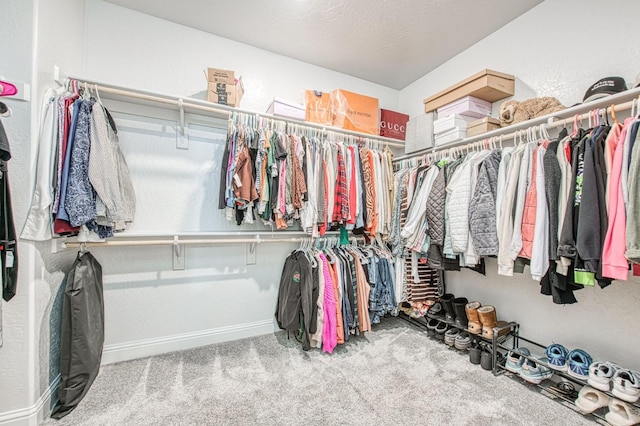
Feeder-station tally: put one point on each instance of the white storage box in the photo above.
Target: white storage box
(285, 108)
(468, 106)
(449, 122)
(419, 133)
(449, 136)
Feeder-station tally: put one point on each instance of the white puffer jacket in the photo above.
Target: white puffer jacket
(458, 196)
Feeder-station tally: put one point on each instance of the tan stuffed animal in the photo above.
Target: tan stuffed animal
(512, 111)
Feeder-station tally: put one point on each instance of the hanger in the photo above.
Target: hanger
(575, 126)
(7, 89)
(613, 113)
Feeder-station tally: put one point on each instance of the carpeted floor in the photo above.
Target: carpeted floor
(393, 375)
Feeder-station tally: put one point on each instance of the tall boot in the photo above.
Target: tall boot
(447, 300)
(472, 314)
(459, 304)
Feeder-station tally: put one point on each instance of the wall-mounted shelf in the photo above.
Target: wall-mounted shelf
(184, 105)
(623, 101)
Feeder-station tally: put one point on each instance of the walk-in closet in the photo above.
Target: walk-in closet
(319, 212)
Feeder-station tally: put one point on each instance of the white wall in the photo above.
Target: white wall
(557, 49)
(133, 49)
(34, 41)
(17, 375)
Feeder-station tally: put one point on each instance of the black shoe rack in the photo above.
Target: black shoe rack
(558, 386)
(478, 340)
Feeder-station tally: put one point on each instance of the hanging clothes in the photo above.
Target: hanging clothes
(82, 178)
(39, 224)
(327, 295)
(313, 179)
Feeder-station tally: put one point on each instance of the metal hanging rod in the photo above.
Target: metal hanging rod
(222, 111)
(117, 243)
(629, 98)
(206, 238)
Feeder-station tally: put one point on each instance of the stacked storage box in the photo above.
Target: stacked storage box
(454, 117)
(467, 101)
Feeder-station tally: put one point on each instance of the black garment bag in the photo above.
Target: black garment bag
(82, 334)
(8, 248)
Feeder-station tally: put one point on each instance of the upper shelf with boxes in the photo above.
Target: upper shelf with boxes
(464, 109)
(340, 109)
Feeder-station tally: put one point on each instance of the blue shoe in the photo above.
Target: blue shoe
(557, 355)
(515, 359)
(535, 372)
(579, 362)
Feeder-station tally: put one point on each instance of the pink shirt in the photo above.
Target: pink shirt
(329, 331)
(614, 262)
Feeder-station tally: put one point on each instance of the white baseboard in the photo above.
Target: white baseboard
(31, 416)
(148, 347)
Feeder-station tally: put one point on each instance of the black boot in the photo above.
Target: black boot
(459, 304)
(446, 300)
(436, 311)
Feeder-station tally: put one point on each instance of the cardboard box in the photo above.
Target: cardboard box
(468, 106)
(449, 136)
(285, 108)
(218, 75)
(419, 133)
(483, 125)
(487, 85)
(352, 111)
(225, 94)
(317, 107)
(393, 124)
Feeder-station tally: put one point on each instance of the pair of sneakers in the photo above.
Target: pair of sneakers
(531, 369)
(576, 362)
(622, 382)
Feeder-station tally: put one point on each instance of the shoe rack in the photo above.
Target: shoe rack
(561, 387)
(501, 335)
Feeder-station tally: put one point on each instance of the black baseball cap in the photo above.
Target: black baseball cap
(605, 87)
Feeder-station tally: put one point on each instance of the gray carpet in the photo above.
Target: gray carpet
(393, 375)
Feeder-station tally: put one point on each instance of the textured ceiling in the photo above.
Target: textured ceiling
(392, 43)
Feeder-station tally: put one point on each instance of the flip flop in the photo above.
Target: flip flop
(621, 414)
(590, 399)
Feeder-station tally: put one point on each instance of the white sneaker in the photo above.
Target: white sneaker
(626, 385)
(601, 374)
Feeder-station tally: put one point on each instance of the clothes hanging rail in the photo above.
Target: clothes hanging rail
(205, 238)
(198, 106)
(178, 241)
(627, 100)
